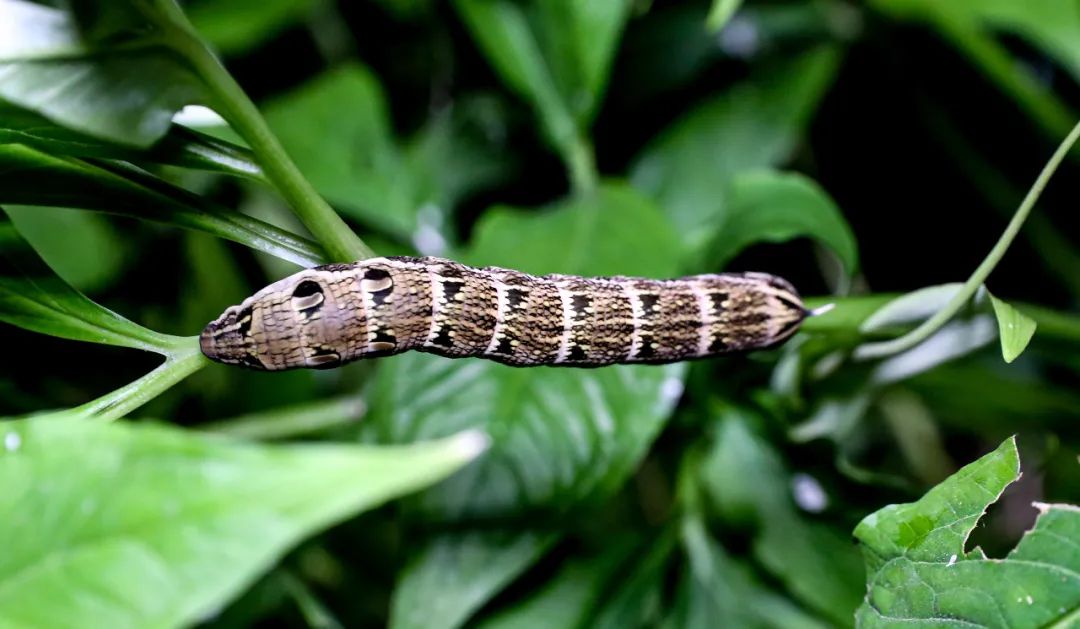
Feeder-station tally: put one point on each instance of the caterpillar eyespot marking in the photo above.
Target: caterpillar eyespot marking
(330, 315)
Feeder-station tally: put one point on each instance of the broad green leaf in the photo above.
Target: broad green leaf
(919, 573)
(568, 598)
(32, 177)
(234, 26)
(349, 157)
(559, 436)
(718, 592)
(454, 574)
(126, 91)
(179, 147)
(637, 600)
(816, 564)
(145, 526)
(757, 124)
(1014, 327)
(34, 298)
(777, 207)
(556, 54)
(615, 231)
(721, 12)
(88, 262)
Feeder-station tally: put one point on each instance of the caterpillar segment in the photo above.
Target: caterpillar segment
(329, 315)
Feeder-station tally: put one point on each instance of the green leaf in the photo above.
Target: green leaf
(757, 124)
(816, 564)
(637, 600)
(88, 262)
(568, 598)
(153, 526)
(560, 436)
(615, 231)
(777, 207)
(454, 574)
(721, 12)
(407, 191)
(179, 147)
(234, 26)
(34, 298)
(126, 92)
(556, 54)
(918, 570)
(717, 592)
(1015, 328)
(358, 166)
(31, 177)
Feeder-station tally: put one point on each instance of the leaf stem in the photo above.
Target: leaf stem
(341, 243)
(940, 318)
(180, 364)
(294, 420)
(581, 164)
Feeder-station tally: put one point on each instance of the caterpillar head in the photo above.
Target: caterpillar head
(300, 321)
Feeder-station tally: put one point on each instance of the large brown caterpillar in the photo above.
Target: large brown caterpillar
(329, 315)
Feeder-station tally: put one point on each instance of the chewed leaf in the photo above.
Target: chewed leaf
(918, 570)
(147, 526)
(1015, 327)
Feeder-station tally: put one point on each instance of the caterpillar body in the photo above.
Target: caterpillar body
(329, 315)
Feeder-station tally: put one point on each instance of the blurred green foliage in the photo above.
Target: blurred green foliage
(870, 152)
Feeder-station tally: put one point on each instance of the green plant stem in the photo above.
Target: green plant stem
(940, 318)
(180, 364)
(341, 243)
(581, 164)
(292, 421)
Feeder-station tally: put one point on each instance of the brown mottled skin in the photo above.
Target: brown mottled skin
(325, 316)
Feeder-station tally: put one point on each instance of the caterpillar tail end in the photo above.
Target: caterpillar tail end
(820, 310)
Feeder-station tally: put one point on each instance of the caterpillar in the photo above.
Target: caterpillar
(329, 315)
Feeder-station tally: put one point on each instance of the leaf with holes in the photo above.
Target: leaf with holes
(147, 526)
(919, 571)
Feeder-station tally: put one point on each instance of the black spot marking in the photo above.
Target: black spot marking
(579, 303)
(647, 302)
(788, 328)
(376, 274)
(790, 304)
(504, 346)
(383, 337)
(243, 322)
(718, 300)
(451, 289)
(717, 346)
(251, 360)
(443, 338)
(307, 288)
(646, 349)
(515, 297)
(576, 353)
